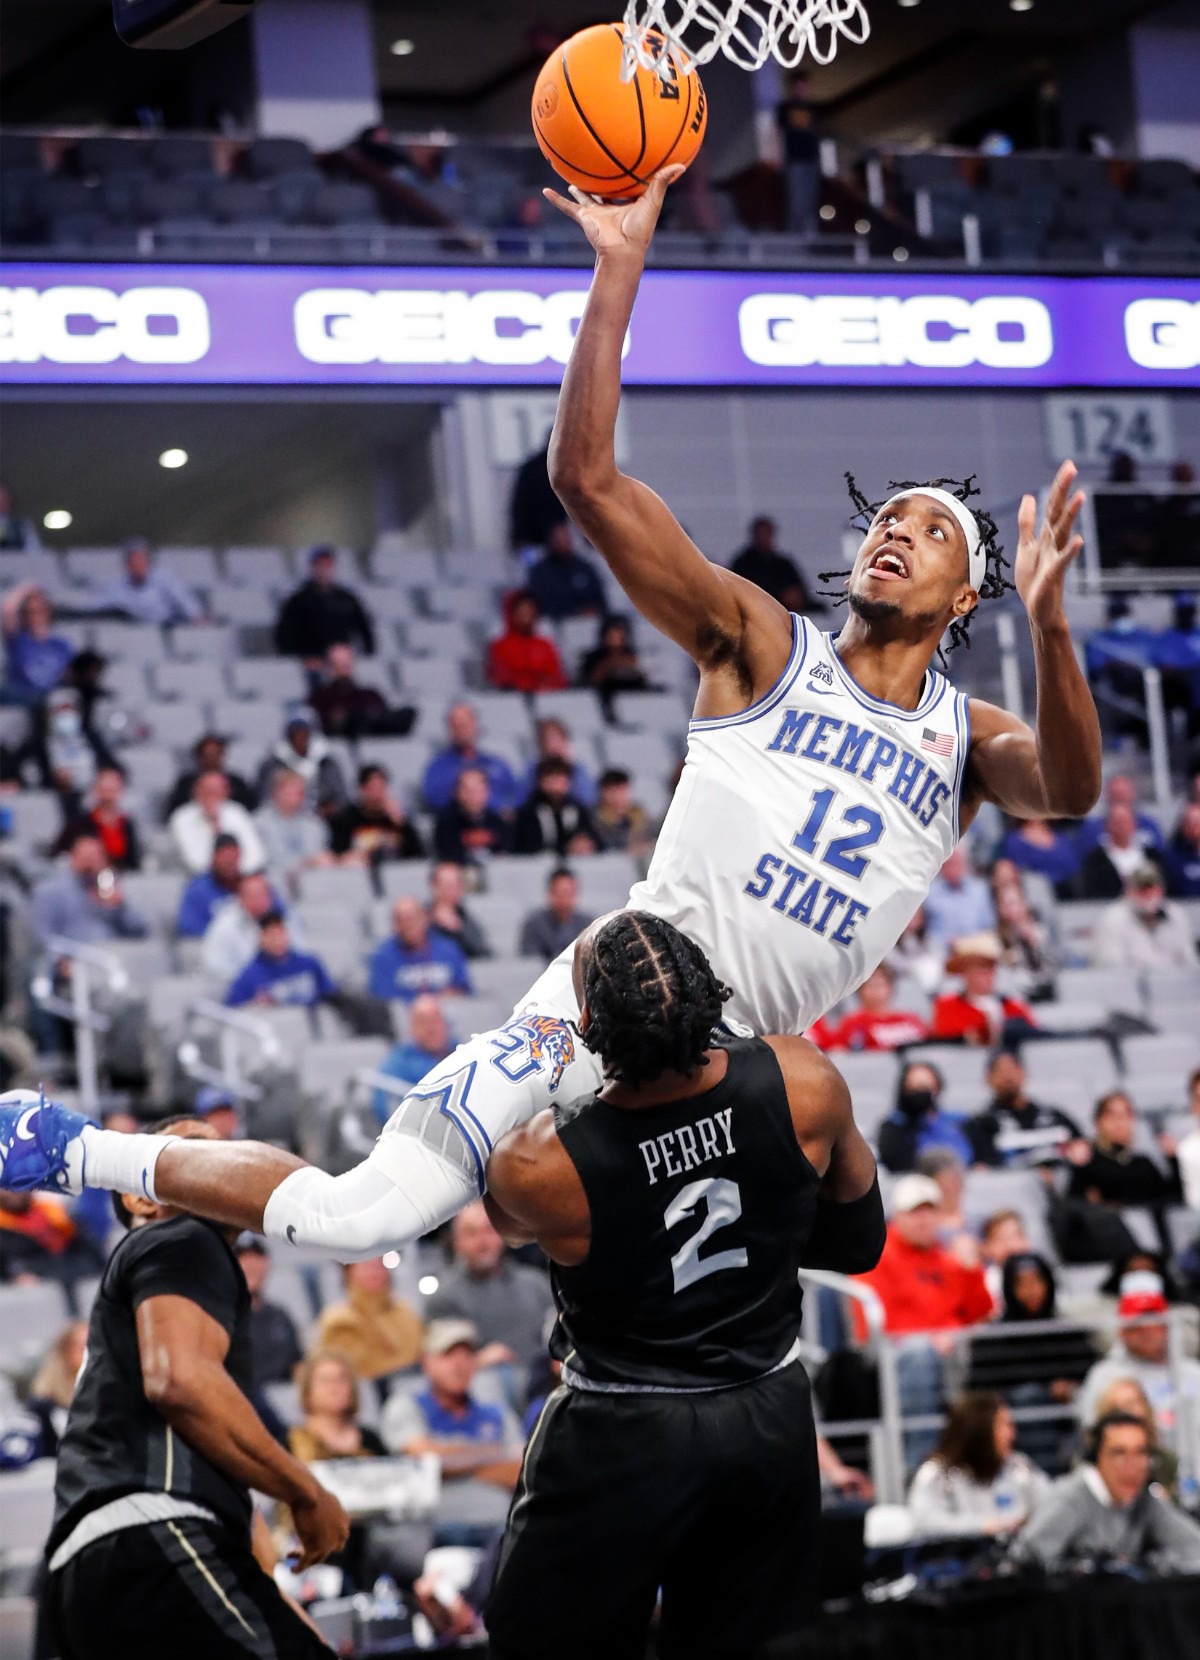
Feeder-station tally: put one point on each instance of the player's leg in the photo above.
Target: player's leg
(743, 1570)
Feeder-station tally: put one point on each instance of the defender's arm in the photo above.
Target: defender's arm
(703, 607)
(534, 1194)
(1054, 770)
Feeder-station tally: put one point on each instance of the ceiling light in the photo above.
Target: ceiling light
(391, 1259)
(427, 1284)
(910, 2)
(1020, 5)
(862, 226)
(828, 211)
(402, 48)
(900, 255)
(173, 458)
(57, 519)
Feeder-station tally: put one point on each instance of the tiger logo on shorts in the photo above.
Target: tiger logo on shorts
(534, 1043)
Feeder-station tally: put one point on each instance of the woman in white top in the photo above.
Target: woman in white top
(975, 1483)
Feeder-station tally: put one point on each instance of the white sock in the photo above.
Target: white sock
(121, 1163)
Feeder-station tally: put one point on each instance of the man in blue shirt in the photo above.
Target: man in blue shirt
(427, 1043)
(206, 893)
(563, 582)
(278, 975)
(146, 593)
(959, 902)
(415, 961)
(442, 773)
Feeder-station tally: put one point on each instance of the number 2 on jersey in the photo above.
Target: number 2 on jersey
(723, 1203)
(843, 853)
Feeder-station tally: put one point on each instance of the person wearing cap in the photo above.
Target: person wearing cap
(321, 613)
(204, 895)
(1106, 1511)
(977, 1014)
(928, 1294)
(376, 1332)
(1141, 1352)
(275, 1348)
(218, 1108)
(478, 1444)
(1144, 929)
(304, 749)
(208, 755)
(1115, 1174)
(210, 813)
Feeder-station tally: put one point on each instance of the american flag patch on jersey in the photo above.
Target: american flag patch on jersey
(938, 743)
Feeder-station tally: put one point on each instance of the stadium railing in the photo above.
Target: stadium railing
(92, 974)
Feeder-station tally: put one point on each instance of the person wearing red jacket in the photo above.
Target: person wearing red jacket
(874, 1024)
(522, 660)
(928, 1295)
(976, 1014)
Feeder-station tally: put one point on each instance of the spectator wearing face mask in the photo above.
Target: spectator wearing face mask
(1144, 929)
(62, 753)
(919, 1124)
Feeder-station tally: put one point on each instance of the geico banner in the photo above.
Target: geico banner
(315, 325)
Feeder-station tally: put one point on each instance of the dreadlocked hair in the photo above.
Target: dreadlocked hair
(652, 999)
(994, 581)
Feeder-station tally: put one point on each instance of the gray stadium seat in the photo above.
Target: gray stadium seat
(278, 678)
(31, 1317)
(401, 879)
(245, 607)
(580, 711)
(18, 1627)
(1105, 989)
(345, 885)
(156, 894)
(93, 566)
(256, 720)
(1067, 1061)
(134, 642)
(36, 816)
(258, 568)
(195, 683)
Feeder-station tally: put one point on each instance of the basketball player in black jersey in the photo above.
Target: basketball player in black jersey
(676, 1207)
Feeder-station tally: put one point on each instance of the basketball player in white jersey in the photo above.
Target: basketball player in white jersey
(826, 781)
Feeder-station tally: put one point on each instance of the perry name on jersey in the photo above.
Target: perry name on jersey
(805, 832)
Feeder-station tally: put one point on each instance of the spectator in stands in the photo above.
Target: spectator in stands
(146, 593)
(40, 1241)
(469, 829)
(1120, 791)
(449, 917)
(373, 829)
(61, 752)
(208, 755)
(927, 1296)
(1121, 850)
(1028, 958)
(508, 1302)
(1002, 1236)
(442, 773)
(521, 659)
(919, 1122)
(328, 1390)
(278, 975)
(800, 133)
(105, 818)
(548, 931)
(294, 838)
(304, 750)
(977, 1014)
(1141, 1352)
(777, 574)
(533, 508)
(209, 814)
(1182, 855)
(1127, 1395)
(1116, 1176)
(613, 666)
(1012, 1130)
(319, 614)
(621, 824)
(553, 820)
(53, 1386)
(1105, 1511)
(231, 939)
(275, 1348)
(206, 893)
(1188, 1151)
(917, 956)
(17, 534)
(376, 1332)
(427, 1043)
(1145, 929)
(84, 903)
(874, 1024)
(959, 901)
(345, 708)
(415, 960)
(1034, 845)
(976, 1482)
(554, 740)
(479, 1446)
(35, 657)
(218, 1107)
(563, 583)
(948, 1169)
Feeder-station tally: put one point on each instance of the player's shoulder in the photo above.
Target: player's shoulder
(988, 720)
(522, 1156)
(806, 1067)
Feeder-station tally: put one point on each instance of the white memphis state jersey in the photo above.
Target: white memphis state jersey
(805, 832)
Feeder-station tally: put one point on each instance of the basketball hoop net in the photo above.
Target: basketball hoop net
(747, 31)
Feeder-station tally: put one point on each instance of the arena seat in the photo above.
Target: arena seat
(31, 1317)
(194, 682)
(278, 678)
(1066, 1061)
(257, 567)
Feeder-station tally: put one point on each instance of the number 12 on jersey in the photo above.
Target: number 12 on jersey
(817, 902)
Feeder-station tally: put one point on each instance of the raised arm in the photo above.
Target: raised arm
(739, 636)
(1052, 771)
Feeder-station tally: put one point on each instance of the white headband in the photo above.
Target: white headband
(976, 557)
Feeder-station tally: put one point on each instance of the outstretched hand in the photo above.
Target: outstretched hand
(1043, 556)
(618, 227)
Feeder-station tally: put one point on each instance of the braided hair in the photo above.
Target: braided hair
(652, 999)
(994, 581)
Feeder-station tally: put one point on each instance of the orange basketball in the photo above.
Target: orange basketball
(610, 136)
